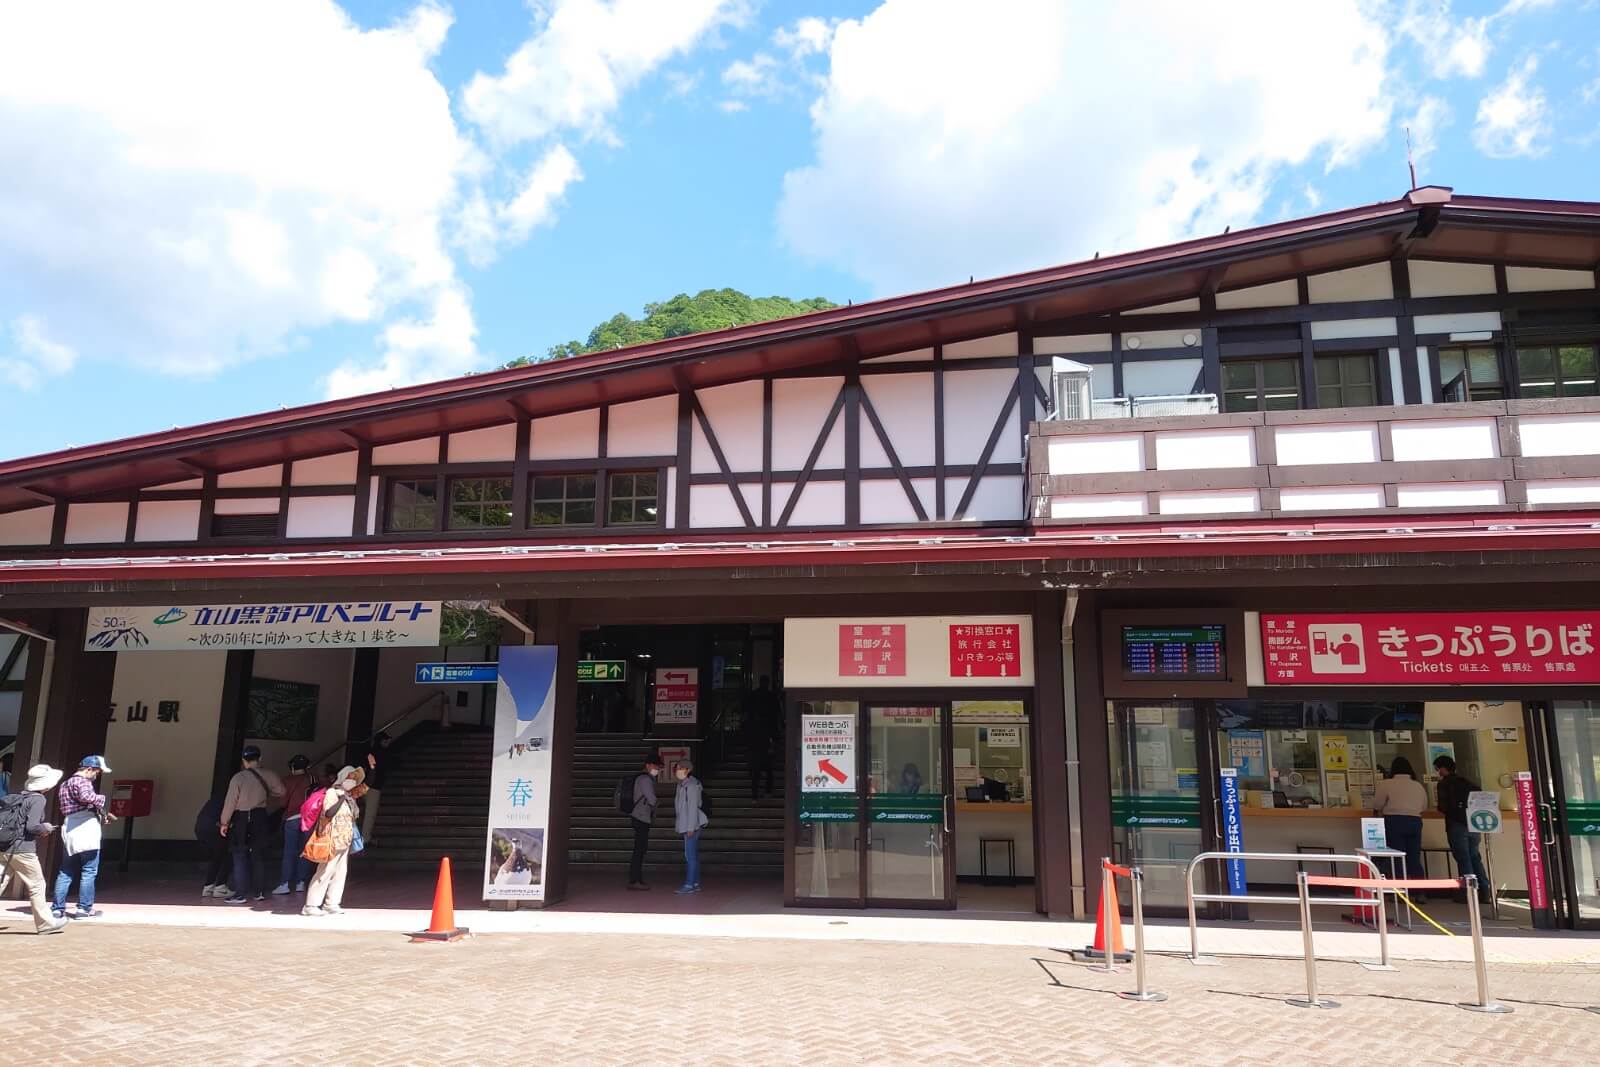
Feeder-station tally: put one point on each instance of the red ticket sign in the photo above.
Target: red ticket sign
(985, 650)
(1430, 648)
(872, 650)
(1532, 842)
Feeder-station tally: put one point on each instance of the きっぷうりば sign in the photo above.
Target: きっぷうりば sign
(1429, 648)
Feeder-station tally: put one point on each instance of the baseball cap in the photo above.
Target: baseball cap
(298, 762)
(250, 752)
(97, 762)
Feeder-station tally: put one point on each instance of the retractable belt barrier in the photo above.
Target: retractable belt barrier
(1109, 872)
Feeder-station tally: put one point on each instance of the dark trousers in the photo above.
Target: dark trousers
(248, 836)
(1404, 833)
(760, 759)
(1464, 844)
(641, 842)
(218, 859)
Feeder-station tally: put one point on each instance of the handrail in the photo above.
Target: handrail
(342, 745)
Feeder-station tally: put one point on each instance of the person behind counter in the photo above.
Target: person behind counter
(1401, 800)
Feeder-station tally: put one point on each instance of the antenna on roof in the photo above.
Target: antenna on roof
(1097, 255)
(1227, 228)
(1411, 163)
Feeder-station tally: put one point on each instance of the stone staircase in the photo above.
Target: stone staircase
(435, 803)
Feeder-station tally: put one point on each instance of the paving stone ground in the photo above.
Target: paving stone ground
(147, 995)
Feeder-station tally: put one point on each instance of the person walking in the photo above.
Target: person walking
(294, 871)
(247, 823)
(338, 821)
(22, 825)
(760, 723)
(1401, 800)
(83, 814)
(377, 766)
(216, 847)
(642, 815)
(1454, 789)
(689, 820)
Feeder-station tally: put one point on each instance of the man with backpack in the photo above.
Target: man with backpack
(1454, 790)
(21, 826)
(636, 798)
(246, 823)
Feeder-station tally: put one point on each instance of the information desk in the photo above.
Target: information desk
(994, 819)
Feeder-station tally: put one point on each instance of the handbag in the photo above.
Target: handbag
(319, 846)
(356, 843)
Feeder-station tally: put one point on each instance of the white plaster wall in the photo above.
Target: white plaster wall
(397, 689)
(167, 520)
(254, 478)
(821, 504)
(1163, 339)
(1160, 377)
(337, 469)
(374, 503)
(884, 500)
(734, 412)
(904, 403)
(423, 450)
(1565, 491)
(328, 670)
(1271, 295)
(1451, 495)
(1335, 328)
(643, 428)
(1001, 344)
(1206, 449)
(713, 506)
(914, 356)
(1426, 386)
(258, 505)
(972, 403)
(1465, 322)
(30, 526)
(1371, 282)
(1435, 278)
(1445, 439)
(190, 483)
(1171, 307)
(575, 435)
(1096, 453)
(1560, 435)
(998, 498)
(1395, 376)
(671, 501)
(178, 756)
(1332, 443)
(799, 406)
(1331, 498)
(1209, 501)
(1546, 279)
(492, 444)
(1109, 505)
(89, 524)
(1066, 346)
(321, 516)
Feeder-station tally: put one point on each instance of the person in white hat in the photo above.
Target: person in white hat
(338, 821)
(21, 826)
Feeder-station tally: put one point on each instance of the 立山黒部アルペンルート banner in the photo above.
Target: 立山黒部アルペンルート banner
(519, 791)
(195, 627)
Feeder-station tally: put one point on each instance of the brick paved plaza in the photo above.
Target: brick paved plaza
(148, 995)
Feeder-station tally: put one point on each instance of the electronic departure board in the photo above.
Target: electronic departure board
(1177, 652)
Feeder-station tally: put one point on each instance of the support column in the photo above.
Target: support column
(77, 704)
(1094, 770)
(35, 680)
(363, 704)
(1052, 838)
(233, 717)
(554, 625)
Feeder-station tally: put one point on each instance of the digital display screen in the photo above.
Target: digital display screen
(1174, 652)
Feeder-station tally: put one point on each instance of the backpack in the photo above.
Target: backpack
(622, 795)
(705, 801)
(13, 820)
(311, 810)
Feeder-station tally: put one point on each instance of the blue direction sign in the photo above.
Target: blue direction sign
(1233, 830)
(457, 673)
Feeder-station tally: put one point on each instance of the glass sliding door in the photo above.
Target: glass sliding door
(827, 828)
(1156, 793)
(909, 805)
(1577, 753)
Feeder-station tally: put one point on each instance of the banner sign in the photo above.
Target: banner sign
(677, 693)
(367, 624)
(1233, 830)
(519, 790)
(1532, 842)
(457, 673)
(602, 670)
(1430, 648)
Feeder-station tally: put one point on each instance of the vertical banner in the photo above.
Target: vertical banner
(1532, 842)
(519, 790)
(1233, 830)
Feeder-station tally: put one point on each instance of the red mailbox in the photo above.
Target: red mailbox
(132, 797)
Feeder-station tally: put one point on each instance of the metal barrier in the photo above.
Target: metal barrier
(1270, 898)
(1108, 899)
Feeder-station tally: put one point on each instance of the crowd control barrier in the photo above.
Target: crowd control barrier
(1109, 872)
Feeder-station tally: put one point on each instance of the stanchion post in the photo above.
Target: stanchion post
(1311, 999)
(1383, 932)
(1140, 992)
(1480, 965)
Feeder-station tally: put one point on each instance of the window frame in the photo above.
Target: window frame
(1258, 363)
(1556, 376)
(450, 503)
(1336, 359)
(390, 483)
(607, 498)
(1467, 348)
(574, 472)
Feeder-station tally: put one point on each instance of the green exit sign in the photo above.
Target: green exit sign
(602, 670)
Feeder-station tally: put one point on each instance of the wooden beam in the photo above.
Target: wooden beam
(722, 461)
(811, 460)
(988, 452)
(894, 459)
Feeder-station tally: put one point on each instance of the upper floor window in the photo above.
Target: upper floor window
(632, 499)
(1260, 385)
(1471, 374)
(563, 500)
(1346, 381)
(413, 504)
(1558, 370)
(480, 503)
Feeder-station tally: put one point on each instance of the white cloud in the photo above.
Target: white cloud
(546, 183)
(32, 356)
(751, 76)
(1313, 197)
(808, 36)
(1450, 46)
(732, 107)
(1514, 118)
(951, 144)
(1426, 123)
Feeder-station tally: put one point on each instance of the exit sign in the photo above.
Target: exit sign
(602, 670)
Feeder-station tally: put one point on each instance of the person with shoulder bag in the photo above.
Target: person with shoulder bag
(83, 815)
(332, 840)
(690, 820)
(22, 825)
(247, 823)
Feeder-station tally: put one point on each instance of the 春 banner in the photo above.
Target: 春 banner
(519, 791)
(363, 624)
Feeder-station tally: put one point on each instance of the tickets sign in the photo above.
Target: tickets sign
(1432, 648)
(1532, 842)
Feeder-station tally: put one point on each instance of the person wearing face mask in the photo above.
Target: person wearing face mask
(690, 819)
(338, 820)
(642, 815)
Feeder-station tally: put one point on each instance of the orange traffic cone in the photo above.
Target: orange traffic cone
(1108, 923)
(443, 925)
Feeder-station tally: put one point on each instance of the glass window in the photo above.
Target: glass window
(563, 500)
(480, 503)
(1471, 374)
(1155, 794)
(413, 505)
(1561, 370)
(1346, 381)
(1261, 385)
(827, 863)
(631, 500)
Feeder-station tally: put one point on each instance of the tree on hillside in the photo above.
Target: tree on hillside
(710, 309)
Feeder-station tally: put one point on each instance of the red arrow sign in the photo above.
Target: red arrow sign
(675, 676)
(827, 767)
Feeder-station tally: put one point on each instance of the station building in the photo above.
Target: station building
(1031, 565)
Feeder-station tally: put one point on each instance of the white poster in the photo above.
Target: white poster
(1005, 737)
(827, 754)
(366, 624)
(677, 695)
(519, 790)
(1483, 811)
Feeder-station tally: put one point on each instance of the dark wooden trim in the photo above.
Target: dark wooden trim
(1052, 837)
(1342, 345)
(521, 475)
(1027, 394)
(283, 501)
(1500, 285)
(894, 459)
(237, 493)
(604, 432)
(1288, 346)
(15, 654)
(1210, 361)
(554, 624)
(683, 463)
(1406, 334)
(1302, 288)
(32, 702)
(839, 474)
(811, 460)
(363, 488)
(988, 451)
(362, 720)
(938, 432)
(722, 461)
(1308, 365)
(852, 449)
(1094, 766)
(766, 452)
(58, 524)
(234, 721)
(208, 507)
(1117, 387)
(132, 525)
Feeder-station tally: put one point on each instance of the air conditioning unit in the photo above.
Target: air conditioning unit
(1071, 389)
(1192, 404)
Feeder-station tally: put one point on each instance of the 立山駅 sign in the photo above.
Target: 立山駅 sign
(1432, 648)
(602, 670)
(365, 624)
(949, 651)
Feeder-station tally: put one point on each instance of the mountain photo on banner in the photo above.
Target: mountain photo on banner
(710, 309)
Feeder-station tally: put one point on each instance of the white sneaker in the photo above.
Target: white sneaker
(332, 909)
(205, 890)
(299, 887)
(309, 911)
(221, 891)
(283, 890)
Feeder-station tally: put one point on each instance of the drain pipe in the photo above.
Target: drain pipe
(1069, 688)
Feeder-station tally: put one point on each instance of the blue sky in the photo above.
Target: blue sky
(222, 209)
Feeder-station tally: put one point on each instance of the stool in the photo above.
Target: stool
(1449, 861)
(1011, 858)
(1305, 850)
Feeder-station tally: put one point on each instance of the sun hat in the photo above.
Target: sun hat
(41, 776)
(97, 762)
(348, 773)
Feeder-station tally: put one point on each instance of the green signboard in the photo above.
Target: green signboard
(1156, 813)
(827, 807)
(1583, 819)
(906, 807)
(602, 670)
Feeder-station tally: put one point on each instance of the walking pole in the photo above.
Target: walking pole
(1140, 992)
(1311, 1000)
(1480, 964)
